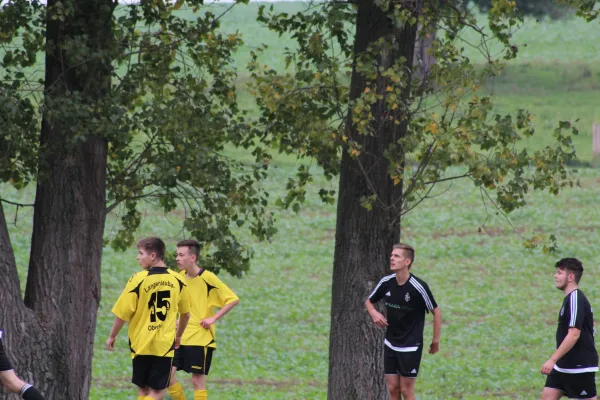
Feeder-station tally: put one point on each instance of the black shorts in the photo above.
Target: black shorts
(402, 363)
(193, 359)
(4, 361)
(574, 386)
(152, 371)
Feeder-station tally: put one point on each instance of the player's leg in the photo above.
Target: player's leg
(392, 376)
(393, 386)
(199, 383)
(143, 393)
(555, 386)
(551, 394)
(175, 388)
(141, 366)
(407, 388)
(7, 375)
(580, 386)
(156, 394)
(587, 385)
(12, 382)
(408, 366)
(158, 376)
(203, 359)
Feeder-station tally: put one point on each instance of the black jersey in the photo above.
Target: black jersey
(576, 312)
(406, 306)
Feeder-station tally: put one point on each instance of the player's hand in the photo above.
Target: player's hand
(379, 319)
(110, 343)
(548, 366)
(434, 347)
(177, 342)
(207, 322)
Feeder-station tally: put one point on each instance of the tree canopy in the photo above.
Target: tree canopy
(166, 116)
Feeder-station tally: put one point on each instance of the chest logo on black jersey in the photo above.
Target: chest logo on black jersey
(407, 297)
(388, 294)
(562, 311)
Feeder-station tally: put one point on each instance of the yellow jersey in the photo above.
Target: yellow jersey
(207, 292)
(150, 302)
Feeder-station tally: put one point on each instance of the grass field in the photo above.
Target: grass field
(498, 299)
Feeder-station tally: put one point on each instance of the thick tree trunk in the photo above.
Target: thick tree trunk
(63, 283)
(29, 343)
(50, 335)
(364, 239)
(15, 318)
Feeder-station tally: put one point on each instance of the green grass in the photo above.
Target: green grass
(498, 300)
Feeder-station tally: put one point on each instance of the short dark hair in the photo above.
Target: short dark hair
(192, 245)
(409, 251)
(571, 265)
(153, 245)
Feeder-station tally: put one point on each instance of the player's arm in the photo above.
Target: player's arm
(207, 322)
(123, 309)
(222, 297)
(437, 330)
(184, 307)
(116, 328)
(374, 297)
(181, 325)
(566, 345)
(377, 317)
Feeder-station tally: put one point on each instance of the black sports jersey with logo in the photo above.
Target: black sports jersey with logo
(406, 306)
(576, 312)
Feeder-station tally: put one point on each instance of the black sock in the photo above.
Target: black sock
(31, 393)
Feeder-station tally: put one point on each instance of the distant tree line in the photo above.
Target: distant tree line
(534, 8)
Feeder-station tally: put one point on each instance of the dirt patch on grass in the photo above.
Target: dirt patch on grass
(491, 232)
(125, 382)
(269, 383)
(115, 382)
(495, 232)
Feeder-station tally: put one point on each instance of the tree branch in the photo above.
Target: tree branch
(15, 204)
(468, 174)
(114, 205)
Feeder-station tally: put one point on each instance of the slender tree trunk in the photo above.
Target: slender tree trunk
(423, 59)
(50, 335)
(364, 238)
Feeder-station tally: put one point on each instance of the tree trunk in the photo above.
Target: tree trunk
(364, 239)
(50, 335)
(423, 59)
(28, 342)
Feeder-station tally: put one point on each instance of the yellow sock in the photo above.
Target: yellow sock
(201, 394)
(176, 391)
